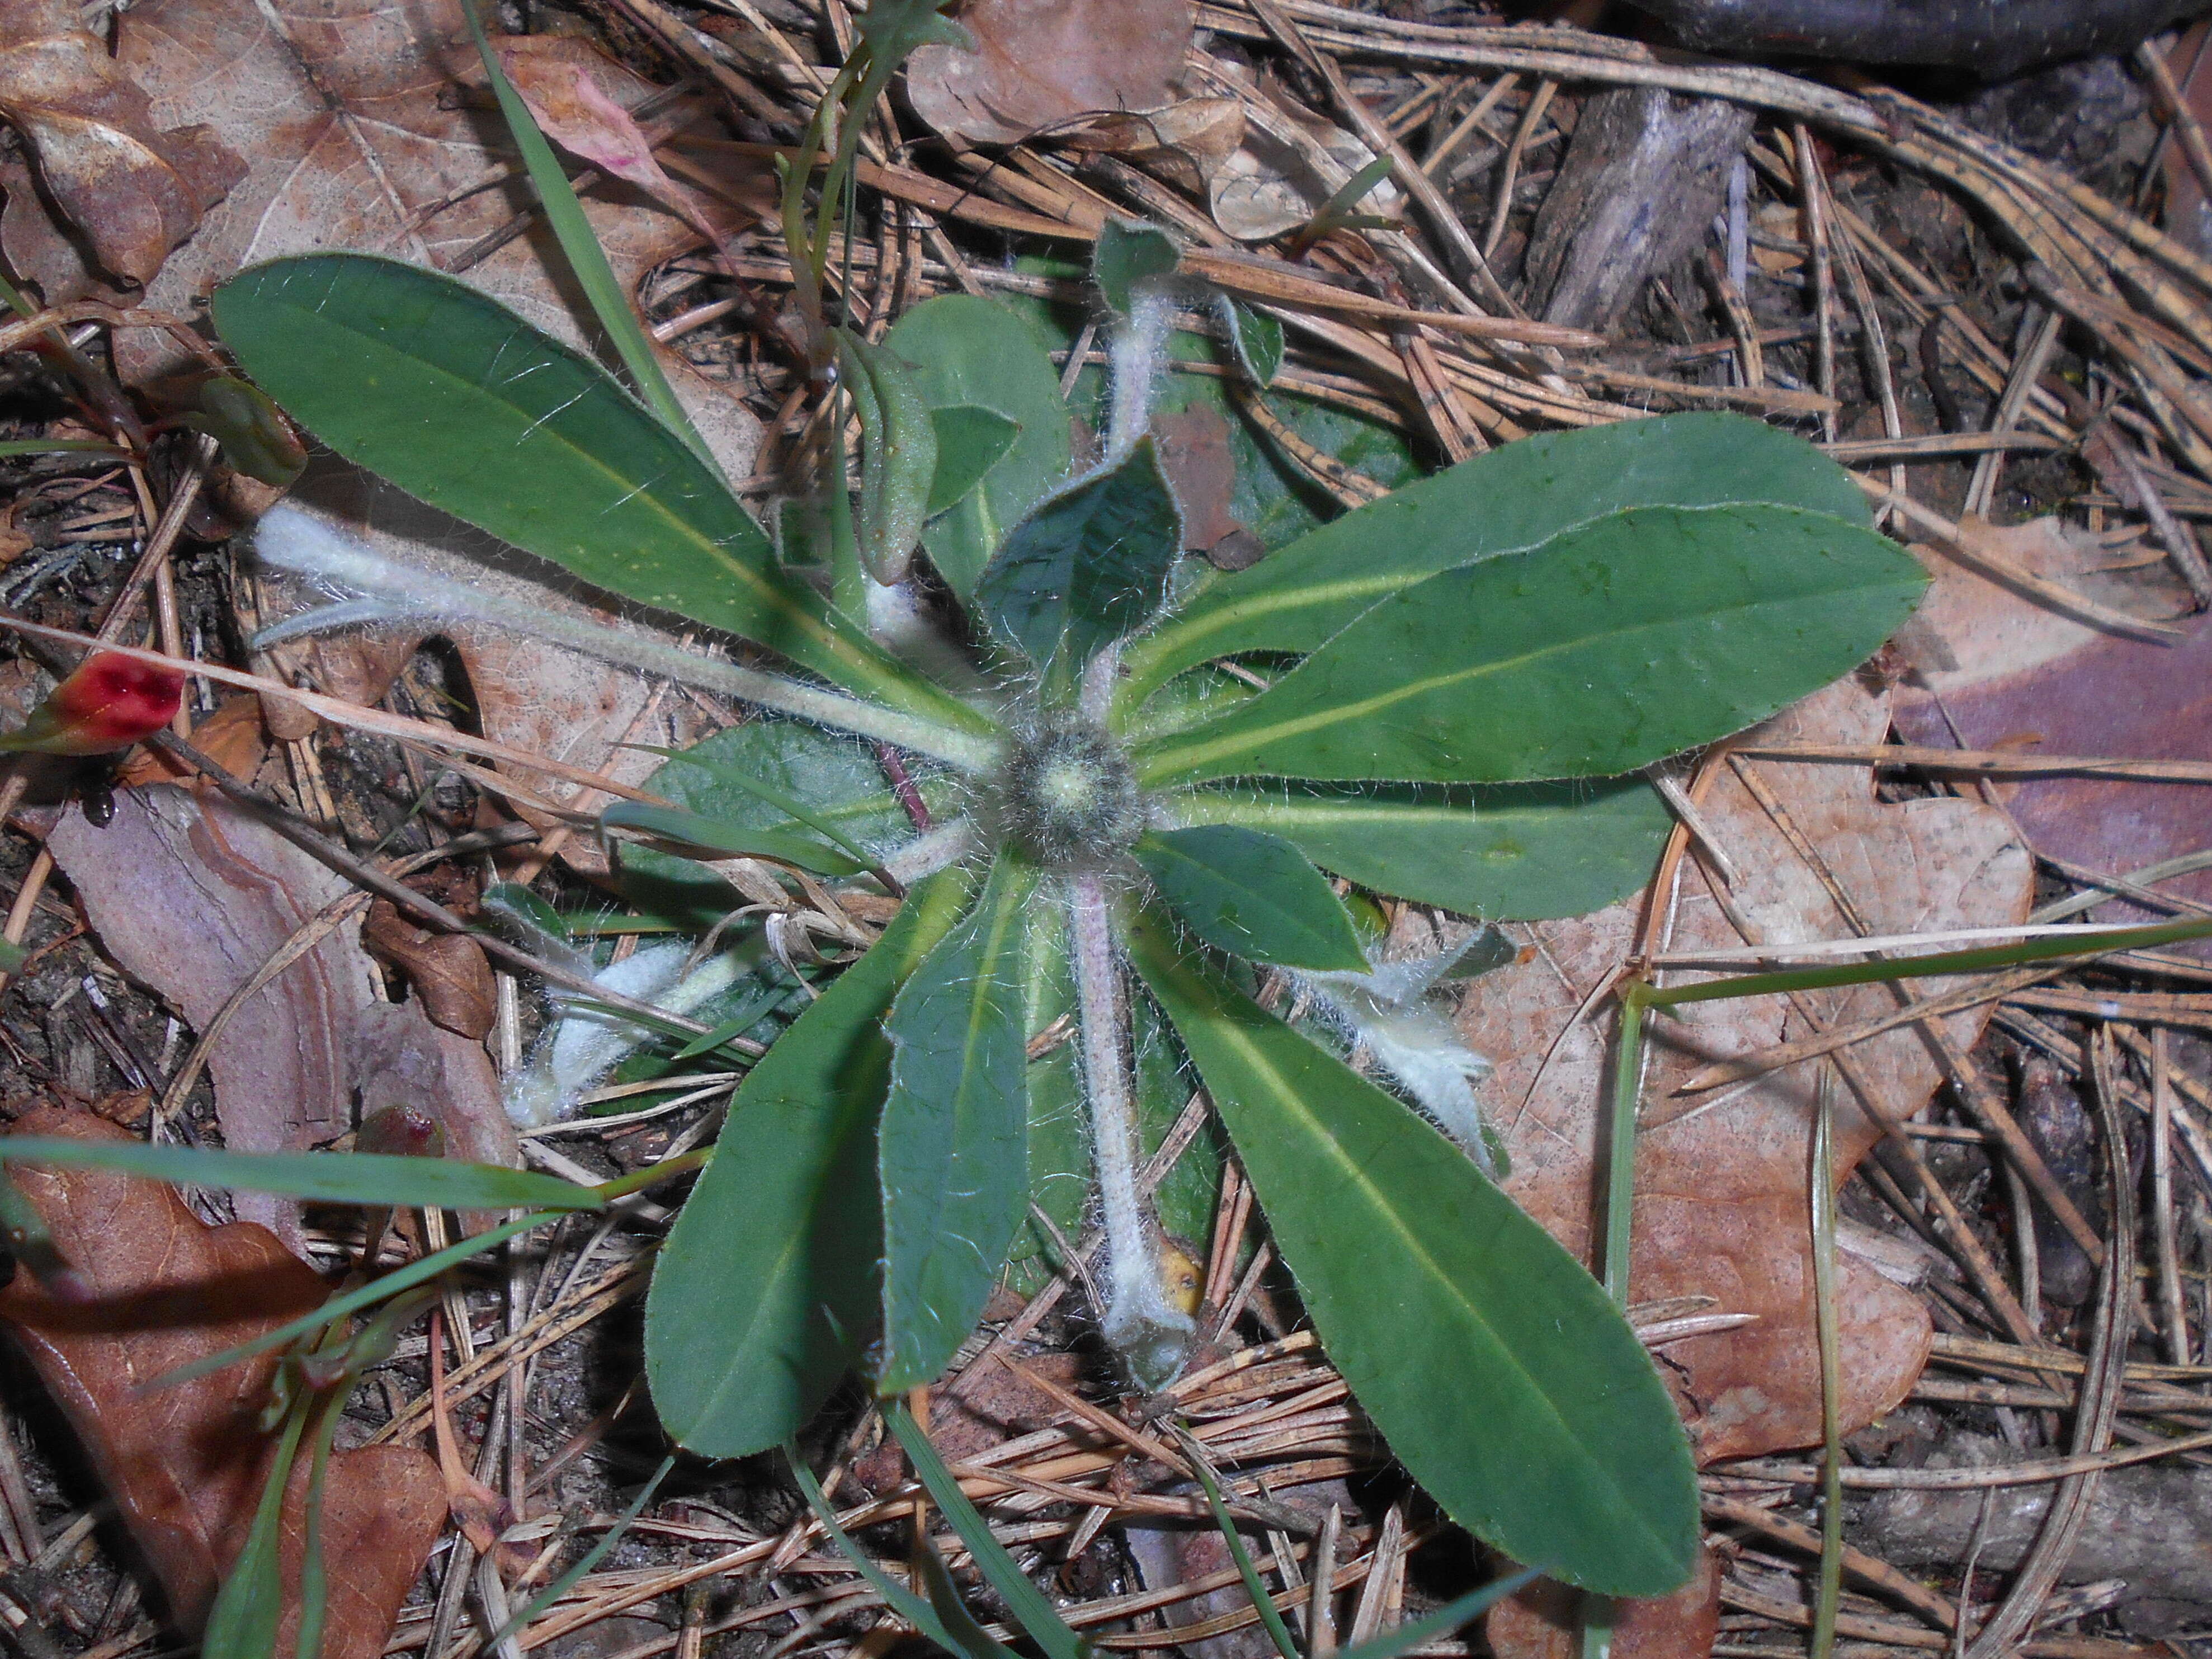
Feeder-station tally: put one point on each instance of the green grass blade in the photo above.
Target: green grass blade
(250, 1606)
(434, 1183)
(1441, 1623)
(1262, 1603)
(587, 258)
(399, 1279)
(2091, 942)
(1035, 1614)
(590, 1557)
(901, 1600)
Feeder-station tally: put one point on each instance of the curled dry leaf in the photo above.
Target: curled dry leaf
(1036, 64)
(191, 896)
(131, 191)
(447, 971)
(1722, 1196)
(1998, 672)
(185, 1464)
(231, 737)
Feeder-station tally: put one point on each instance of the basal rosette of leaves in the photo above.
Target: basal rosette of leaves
(1444, 697)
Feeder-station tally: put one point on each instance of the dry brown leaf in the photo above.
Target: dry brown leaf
(131, 191)
(1543, 1621)
(185, 1464)
(191, 896)
(448, 972)
(1037, 62)
(2000, 671)
(359, 132)
(1722, 1205)
(231, 737)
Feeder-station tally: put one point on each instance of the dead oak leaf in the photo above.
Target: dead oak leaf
(185, 1464)
(1722, 1206)
(133, 192)
(1037, 62)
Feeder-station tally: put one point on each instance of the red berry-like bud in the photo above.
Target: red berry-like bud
(111, 702)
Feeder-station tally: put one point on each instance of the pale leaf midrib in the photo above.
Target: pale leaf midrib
(1198, 757)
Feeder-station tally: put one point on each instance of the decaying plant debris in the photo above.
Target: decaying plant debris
(2001, 345)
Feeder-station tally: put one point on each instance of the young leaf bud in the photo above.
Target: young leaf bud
(109, 703)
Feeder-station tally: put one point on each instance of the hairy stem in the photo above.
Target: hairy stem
(1135, 355)
(1147, 1330)
(302, 543)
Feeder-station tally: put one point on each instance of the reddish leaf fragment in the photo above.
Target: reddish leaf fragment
(185, 1464)
(133, 191)
(109, 703)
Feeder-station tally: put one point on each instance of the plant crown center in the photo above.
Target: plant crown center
(1066, 796)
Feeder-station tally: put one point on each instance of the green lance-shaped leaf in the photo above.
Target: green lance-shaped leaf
(1129, 255)
(765, 1289)
(457, 400)
(953, 1150)
(1498, 1370)
(968, 351)
(898, 454)
(330, 1177)
(674, 823)
(971, 440)
(1253, 894)
(1089, 566)
(1611, 646)
(1512, 497)
(1512, 853)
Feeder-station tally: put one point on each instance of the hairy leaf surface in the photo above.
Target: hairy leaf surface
(1612, 646)
(1512, 497)
(1501, 1374)
(1089, 566)
(459, 401)
(954, 1145)
(767, 1286)
(1509, 852)
(1253, 894)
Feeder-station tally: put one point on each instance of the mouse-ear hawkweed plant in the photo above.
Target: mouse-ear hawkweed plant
(1444, 697)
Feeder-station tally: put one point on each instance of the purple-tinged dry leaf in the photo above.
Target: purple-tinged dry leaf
(1999, 672)
(185, 1464)
(132, 192)
(191, 896)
